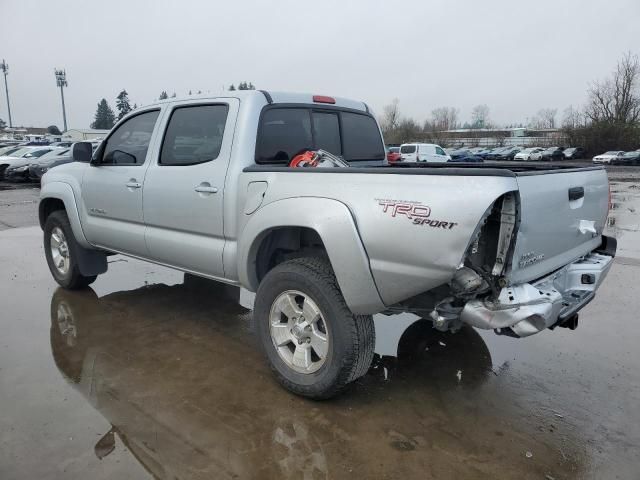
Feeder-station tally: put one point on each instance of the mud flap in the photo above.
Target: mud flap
(91, 262)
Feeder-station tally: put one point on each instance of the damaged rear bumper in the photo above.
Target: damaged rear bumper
(526, 309)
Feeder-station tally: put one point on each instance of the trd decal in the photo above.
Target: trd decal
(416, 212)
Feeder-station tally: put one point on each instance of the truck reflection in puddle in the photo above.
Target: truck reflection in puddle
(177, 373)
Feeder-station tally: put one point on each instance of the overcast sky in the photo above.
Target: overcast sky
(517, 57)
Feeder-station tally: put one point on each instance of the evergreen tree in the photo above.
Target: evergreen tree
(135, 105)
(251, 87)
(3, 124)
(51, 129)
(163, 95)
(122, 104)
(232, 88)
(189, 92)
(242, 86)
(104, 118)
(199, 92)
(174, 95)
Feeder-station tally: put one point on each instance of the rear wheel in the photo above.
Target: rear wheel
(314, 344)
(61, 251)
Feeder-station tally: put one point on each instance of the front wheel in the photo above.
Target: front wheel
(61, 251)
(314, 344)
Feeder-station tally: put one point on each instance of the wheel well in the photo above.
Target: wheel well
(47, 207)
(285, 243)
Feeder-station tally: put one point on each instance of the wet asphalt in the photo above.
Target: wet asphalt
(151, 374)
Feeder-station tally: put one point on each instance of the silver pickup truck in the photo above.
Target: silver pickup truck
(207, 186)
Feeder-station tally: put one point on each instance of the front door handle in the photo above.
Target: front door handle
(133, 183)
(206, 187)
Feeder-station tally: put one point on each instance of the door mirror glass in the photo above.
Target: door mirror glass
(82, 152)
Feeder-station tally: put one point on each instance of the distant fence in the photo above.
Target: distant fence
(547, 141)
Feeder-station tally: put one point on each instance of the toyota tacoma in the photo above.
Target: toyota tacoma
(290, 197)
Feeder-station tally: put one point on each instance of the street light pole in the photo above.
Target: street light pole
(61, 81)
(5, 69)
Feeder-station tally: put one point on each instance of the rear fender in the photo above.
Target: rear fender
(335, 225)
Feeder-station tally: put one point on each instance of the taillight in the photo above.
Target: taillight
(323, 99)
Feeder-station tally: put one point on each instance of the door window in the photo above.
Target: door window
(439, 151)
(194, 135)
(129, 143)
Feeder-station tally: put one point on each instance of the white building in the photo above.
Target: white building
(82, 134)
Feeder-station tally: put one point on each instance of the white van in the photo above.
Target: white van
(423, 152)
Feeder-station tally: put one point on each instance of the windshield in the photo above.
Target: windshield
(19, 152)
(394, 149)
(36, 153)
(612, 152)
(630, 154)
(8, 150)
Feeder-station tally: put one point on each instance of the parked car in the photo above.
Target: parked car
(423, 152)
(20, 155)
(495, 153)
(465, 156)
(551, 153)
(608, 157)
(573, 153)
(393, 154)
(484, 153)
(628, 158)
(525, 154)
(507, 154)
(52, 159)
(201, 192)
(26, 169)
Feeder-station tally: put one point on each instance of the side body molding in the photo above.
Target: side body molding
(335, 225)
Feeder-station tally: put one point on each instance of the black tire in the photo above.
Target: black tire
(351, 337)
(72, 279)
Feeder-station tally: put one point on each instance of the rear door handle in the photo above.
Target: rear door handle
(206, 188)
(576, 193)
(133, 184)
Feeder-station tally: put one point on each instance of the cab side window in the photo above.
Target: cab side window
(194, 135)
(129, 143)
(439, 151)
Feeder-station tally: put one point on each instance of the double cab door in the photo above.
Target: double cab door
(168, 209)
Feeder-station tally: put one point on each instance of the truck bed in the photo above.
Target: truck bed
(515, 169)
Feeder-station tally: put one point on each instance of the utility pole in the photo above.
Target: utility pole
(5, 69)
(61, 81)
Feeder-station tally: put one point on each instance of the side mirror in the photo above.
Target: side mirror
(82, 152)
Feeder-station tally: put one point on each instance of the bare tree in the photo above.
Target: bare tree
(480, 116)
(617, 99)
(545, 118)
(572, 118)
(443, 118)
(390, 116)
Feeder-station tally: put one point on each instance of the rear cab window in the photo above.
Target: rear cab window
(285, 131)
